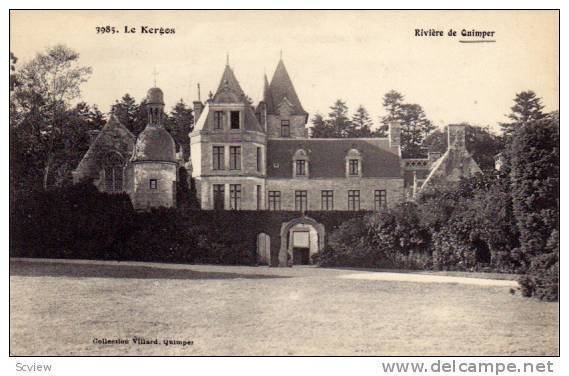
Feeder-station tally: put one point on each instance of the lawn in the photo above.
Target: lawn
(60, 308)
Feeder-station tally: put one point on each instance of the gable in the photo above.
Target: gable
(114, 137)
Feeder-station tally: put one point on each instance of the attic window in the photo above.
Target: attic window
(235, 120)
(285, 128)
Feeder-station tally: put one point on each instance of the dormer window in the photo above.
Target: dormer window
(300, 164)
(218, 120)
(354, 167)
(235, 120)
(285, 128)
(353, 163)
(301, 167)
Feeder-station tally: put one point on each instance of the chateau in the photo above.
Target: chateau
(246, 157)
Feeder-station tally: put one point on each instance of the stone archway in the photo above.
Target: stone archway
(285, 250)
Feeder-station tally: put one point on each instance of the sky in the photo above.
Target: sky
(356, 56)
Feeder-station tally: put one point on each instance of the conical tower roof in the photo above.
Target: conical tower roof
(267, 95)
(229, 81)
(281, 87)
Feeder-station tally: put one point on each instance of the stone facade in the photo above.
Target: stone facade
(145, 168)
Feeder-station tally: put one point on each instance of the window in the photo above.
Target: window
(234, 120)
(353, 163)
(153, 184)
(301, 168)
(219, 196)
(235, 196)
(113, 179)
(218, 120)
(113, 172)
(285, 128)
(235, 157)
(300, 200)
(274, 200)
(353, 200)
(258, 197)
(354, 167)
(259, 158)
(379, 199)
(327, 200)
(218, 158)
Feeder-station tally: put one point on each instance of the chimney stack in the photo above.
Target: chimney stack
(198, 108)
(395, 135)
(457, 137)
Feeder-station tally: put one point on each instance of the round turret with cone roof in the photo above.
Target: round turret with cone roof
(154, 158)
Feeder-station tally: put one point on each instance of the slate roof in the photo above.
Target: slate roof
(327, 157)
(228, 80)
(154, 143)
(229, 92)
(451, 167)
(113, 137)
(280, 87)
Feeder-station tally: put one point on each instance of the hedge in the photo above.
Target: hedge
(82, 223)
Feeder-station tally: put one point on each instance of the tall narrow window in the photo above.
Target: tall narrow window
(285, 128)
(328, 200)
(235, 196)
(235, 157)
(219, 196)
(113, 169)
(259, 158)
(235, 120)
(300, 200)
(218, 158)
(379, 199)
(259, 197)
(218, 120)
(301, 168)
(354, 167)
(153, 184)
(353, 200)
(274, 200)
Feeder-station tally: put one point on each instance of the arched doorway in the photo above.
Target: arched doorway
(301, 238)
(263, 249)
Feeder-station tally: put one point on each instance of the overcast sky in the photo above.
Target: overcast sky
(355, 56)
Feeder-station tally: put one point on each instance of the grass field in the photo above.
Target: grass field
(60, 308)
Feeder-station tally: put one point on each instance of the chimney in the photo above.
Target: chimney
(394, 134)
(198, 108)
(456, 137)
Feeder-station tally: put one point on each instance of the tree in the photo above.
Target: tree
(527, 108)
(48, 83)
(482, 145)
(415, 125)
(127, 111)
(535, 177)
(180, 123)
(338, 119)
(361, 124)
(392, 102)
(321, 128)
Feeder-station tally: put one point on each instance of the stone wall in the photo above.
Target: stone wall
(142, 196)
(394, 190)
(204, 187)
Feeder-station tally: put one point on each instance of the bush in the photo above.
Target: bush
(389, 239)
